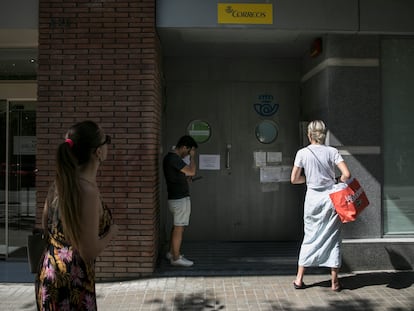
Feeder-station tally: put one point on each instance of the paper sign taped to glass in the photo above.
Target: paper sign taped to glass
(262, 159)
(209, 162)
(275, 174)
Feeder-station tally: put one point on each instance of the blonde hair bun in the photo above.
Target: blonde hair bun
(317, 131)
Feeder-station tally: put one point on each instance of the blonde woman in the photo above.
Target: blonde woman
(77, 223)
(321, 246)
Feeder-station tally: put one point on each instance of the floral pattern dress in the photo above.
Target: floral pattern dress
(65, 281)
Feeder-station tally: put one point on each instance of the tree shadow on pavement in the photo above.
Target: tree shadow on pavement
(201, 302)
(208, 302)
(192, 302)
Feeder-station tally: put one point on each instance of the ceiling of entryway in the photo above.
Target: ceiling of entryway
(19, 63)
(235, 42)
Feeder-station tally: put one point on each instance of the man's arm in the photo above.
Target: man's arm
(190, 169)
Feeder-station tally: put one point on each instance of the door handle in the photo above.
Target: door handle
(228, 147)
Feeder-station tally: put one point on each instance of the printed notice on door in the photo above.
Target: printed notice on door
(209, 162)
(275, 174)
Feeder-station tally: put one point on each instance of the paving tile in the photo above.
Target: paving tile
(253, 293)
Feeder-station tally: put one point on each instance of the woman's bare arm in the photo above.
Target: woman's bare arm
(296, 177)
(45, 213)
(90, 244)
(345, 173)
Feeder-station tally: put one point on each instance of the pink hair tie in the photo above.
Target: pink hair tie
(69, 142)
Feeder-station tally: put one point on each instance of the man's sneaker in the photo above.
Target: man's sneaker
(169, 256)
(182, 262)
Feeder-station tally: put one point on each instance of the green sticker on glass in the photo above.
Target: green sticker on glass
(199, 130)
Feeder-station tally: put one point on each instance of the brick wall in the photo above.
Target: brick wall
(99, 60)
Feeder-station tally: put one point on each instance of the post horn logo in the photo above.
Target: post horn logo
(266, 107)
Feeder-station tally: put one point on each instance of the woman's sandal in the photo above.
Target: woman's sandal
(337, 288)
(296, 286)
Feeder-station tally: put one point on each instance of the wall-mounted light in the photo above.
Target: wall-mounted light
(316, 47)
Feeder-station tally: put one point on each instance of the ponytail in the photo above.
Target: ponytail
(68, 190)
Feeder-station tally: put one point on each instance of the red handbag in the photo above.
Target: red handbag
(350, 201)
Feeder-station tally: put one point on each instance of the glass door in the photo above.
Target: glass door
(18, 171)
(398, 95)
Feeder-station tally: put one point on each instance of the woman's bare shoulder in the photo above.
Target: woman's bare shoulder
(89, 191)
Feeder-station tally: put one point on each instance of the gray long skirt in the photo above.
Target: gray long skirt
(321, 246)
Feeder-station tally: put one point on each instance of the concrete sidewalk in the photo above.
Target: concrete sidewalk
(391, 291)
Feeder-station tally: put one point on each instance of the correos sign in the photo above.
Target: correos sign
(244, 13)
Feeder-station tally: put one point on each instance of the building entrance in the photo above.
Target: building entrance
(244, 193)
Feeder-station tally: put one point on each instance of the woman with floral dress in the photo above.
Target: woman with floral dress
(77, 224)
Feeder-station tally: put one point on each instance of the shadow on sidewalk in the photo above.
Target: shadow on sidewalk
(208, 302)
(395, 280)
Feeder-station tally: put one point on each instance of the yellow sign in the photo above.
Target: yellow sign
(244, 13)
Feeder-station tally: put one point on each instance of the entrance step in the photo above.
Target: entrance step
(234, 258)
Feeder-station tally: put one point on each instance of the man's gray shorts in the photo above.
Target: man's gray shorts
(181, 210)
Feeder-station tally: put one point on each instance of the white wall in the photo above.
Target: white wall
(18, 90)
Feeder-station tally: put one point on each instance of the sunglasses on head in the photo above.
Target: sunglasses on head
(106, 141)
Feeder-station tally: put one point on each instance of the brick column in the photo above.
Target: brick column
(99, 60)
